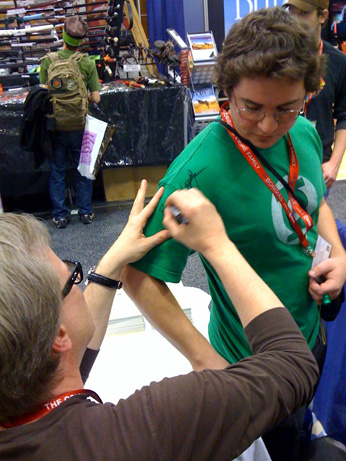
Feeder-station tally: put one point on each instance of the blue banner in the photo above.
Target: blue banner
(235, 10)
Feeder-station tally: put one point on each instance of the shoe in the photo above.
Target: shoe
(87, 218)
(60, 223)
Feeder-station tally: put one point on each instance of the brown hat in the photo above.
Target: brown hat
(75, 29)
(308, 5)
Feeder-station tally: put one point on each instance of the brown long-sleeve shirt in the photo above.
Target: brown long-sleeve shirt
(209, 415)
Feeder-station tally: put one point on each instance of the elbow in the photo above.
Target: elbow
(307, 380)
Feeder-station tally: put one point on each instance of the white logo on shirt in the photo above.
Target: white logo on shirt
(281, 224)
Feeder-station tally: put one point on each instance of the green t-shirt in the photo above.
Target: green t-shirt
(254, 221)
(86, 66)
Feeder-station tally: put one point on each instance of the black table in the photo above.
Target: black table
(153, 126)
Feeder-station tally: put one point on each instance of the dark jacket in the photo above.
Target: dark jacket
(37, 125)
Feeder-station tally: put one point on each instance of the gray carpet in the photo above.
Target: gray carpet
(87, 243)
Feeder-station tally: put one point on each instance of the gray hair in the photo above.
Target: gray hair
(30, 303)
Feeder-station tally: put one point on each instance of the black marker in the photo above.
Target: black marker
(178, 216)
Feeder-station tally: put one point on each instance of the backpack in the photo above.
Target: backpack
(68, 92)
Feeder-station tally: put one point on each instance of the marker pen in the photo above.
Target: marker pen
(178, 216)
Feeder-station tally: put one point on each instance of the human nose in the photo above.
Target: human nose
(268, 124)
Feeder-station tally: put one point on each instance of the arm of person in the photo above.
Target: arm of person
(93, 85)
(95, 97)
(130, 246)
(334, 268)
(330, 169)
(156, 302)
(217, 414)
(235, 405)
(43, 71)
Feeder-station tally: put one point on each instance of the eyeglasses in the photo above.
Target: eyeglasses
(257, 115)
(76, 271)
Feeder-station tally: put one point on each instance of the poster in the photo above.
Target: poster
(235, 10)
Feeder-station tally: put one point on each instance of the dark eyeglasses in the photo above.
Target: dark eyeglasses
(76, 271)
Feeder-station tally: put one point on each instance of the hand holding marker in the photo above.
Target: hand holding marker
(178, 216)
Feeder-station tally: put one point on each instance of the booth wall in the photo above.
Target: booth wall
(194, 16)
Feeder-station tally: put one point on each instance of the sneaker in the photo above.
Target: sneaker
(60, 223)
(87, 218)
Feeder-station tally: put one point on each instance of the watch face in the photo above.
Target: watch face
(92, 268)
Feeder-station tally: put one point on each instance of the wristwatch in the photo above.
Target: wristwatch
(102, 280)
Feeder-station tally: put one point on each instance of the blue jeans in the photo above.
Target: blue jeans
(65, 143)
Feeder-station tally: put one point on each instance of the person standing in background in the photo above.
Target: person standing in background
(330, 103)
(69, 133)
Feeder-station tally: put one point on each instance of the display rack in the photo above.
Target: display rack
(204, 102)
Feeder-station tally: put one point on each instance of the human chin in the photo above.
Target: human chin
(263, 142)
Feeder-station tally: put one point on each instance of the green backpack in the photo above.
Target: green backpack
(68, 92)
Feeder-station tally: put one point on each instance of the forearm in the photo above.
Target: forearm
(339, 148)
(95, 97)
(130, 246)
(159, 306)
(332, 271)
(100, 298)
(326, 227)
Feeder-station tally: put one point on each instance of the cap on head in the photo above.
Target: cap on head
(308, 5)
(75, 29)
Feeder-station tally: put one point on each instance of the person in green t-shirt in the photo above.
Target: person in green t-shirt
(70, 141)
(268, 65)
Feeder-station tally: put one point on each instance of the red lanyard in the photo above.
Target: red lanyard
(47, 407)
(251, 158)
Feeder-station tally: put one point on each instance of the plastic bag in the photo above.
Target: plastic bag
(94, 132)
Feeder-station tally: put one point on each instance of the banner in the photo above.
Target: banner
(235, 10)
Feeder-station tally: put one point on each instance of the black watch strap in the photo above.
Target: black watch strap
(102, 280)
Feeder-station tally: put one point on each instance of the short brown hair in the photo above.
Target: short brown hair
(30, 303)
(269, 43)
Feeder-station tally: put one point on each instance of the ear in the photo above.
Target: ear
(324, 16)
(62, 342)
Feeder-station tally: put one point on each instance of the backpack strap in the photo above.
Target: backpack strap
(52, 56)
(77, 56)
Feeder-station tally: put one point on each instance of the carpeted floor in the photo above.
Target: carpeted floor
(87, 243)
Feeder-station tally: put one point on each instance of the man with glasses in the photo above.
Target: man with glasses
(330, 103)
(260, 165)
(46, 324)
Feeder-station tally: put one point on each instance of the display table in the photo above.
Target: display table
(152, 129)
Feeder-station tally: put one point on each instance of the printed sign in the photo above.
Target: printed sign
(235, 10)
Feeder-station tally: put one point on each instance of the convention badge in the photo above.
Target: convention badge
(322, 252)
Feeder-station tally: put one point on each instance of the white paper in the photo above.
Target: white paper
(322, 251)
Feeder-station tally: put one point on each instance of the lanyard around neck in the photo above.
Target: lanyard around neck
(252, 159)
(47, 407)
